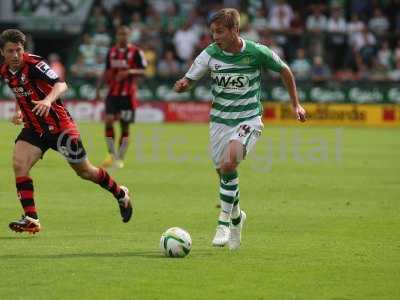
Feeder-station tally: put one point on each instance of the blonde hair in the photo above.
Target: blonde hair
(229, 17)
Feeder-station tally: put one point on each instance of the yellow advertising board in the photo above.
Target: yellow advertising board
(336, 114)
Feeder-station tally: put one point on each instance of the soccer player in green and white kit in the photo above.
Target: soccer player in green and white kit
(235, 67)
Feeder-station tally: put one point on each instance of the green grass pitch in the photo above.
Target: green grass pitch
(323, 207)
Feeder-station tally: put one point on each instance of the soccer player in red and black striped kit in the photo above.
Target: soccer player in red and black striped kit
(125, 62)
(47, 124)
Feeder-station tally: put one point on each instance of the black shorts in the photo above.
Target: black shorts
(121, 106)
(70, 147)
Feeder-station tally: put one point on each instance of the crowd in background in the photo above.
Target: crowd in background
(345, 40)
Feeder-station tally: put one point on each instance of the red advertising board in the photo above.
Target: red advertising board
(188, 112)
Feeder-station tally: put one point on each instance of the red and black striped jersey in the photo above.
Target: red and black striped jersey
(120, 59)
(34, 81)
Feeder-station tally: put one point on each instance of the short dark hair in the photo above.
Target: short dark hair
(229, 17)
(13, 36)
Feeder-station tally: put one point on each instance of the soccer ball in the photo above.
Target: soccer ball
(175, 242)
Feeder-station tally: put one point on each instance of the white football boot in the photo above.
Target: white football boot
(236, 233)
(221, 237)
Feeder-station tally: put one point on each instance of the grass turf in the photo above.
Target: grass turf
(323, 219)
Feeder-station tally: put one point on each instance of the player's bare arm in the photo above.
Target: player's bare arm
(182, 85)
(42, 107)
(290, 84)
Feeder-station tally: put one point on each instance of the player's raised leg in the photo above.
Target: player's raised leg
(24, 158)
(87, 171)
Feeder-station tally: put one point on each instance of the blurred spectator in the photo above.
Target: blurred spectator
(301, 66)
(354, 26)
(151, 57)
(270, 42)
(176, 32)
(172, 20)
(363, 38)
(97, 19)
(87, 50)
(296, 25)
(281, 15)
(185, 40)
(320, 71)
(259, 21)
(378, 71)
(250, 33)
(364, 43)
(153, 23)
(337, 40)
(78, 69)
(169, 65)
(116, 18)
(316, 24)
(101, 38)
(137, 26)
(128, 7)
(385, 55)
(317, 21)
(280, 18)
(56, 64)
(379, 24)
(81, 70)
(395, 73)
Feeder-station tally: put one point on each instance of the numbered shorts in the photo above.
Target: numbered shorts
(246, 132)
(121, 106)
(70, 147)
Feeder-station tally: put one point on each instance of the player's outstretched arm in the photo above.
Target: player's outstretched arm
(182, 85)
(290, 84)
(42, 107)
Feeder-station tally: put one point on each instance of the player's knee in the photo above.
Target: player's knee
(109, 121)
(228, 166)
(20, 166)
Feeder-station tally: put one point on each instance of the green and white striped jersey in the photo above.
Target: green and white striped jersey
(236, 79)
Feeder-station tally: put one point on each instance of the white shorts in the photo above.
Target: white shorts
(246, 132)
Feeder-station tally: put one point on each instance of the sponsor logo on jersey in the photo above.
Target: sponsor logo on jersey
(119, 63)
(231, 81)
(19, 91)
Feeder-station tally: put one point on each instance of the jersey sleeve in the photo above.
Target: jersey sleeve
(140, 60)
(199, 66)
(269, 59)
(41, 70)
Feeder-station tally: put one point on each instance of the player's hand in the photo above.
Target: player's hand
(300, 113)
(17, 118)
(42, 107)
(181, 85)
(121, 75)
